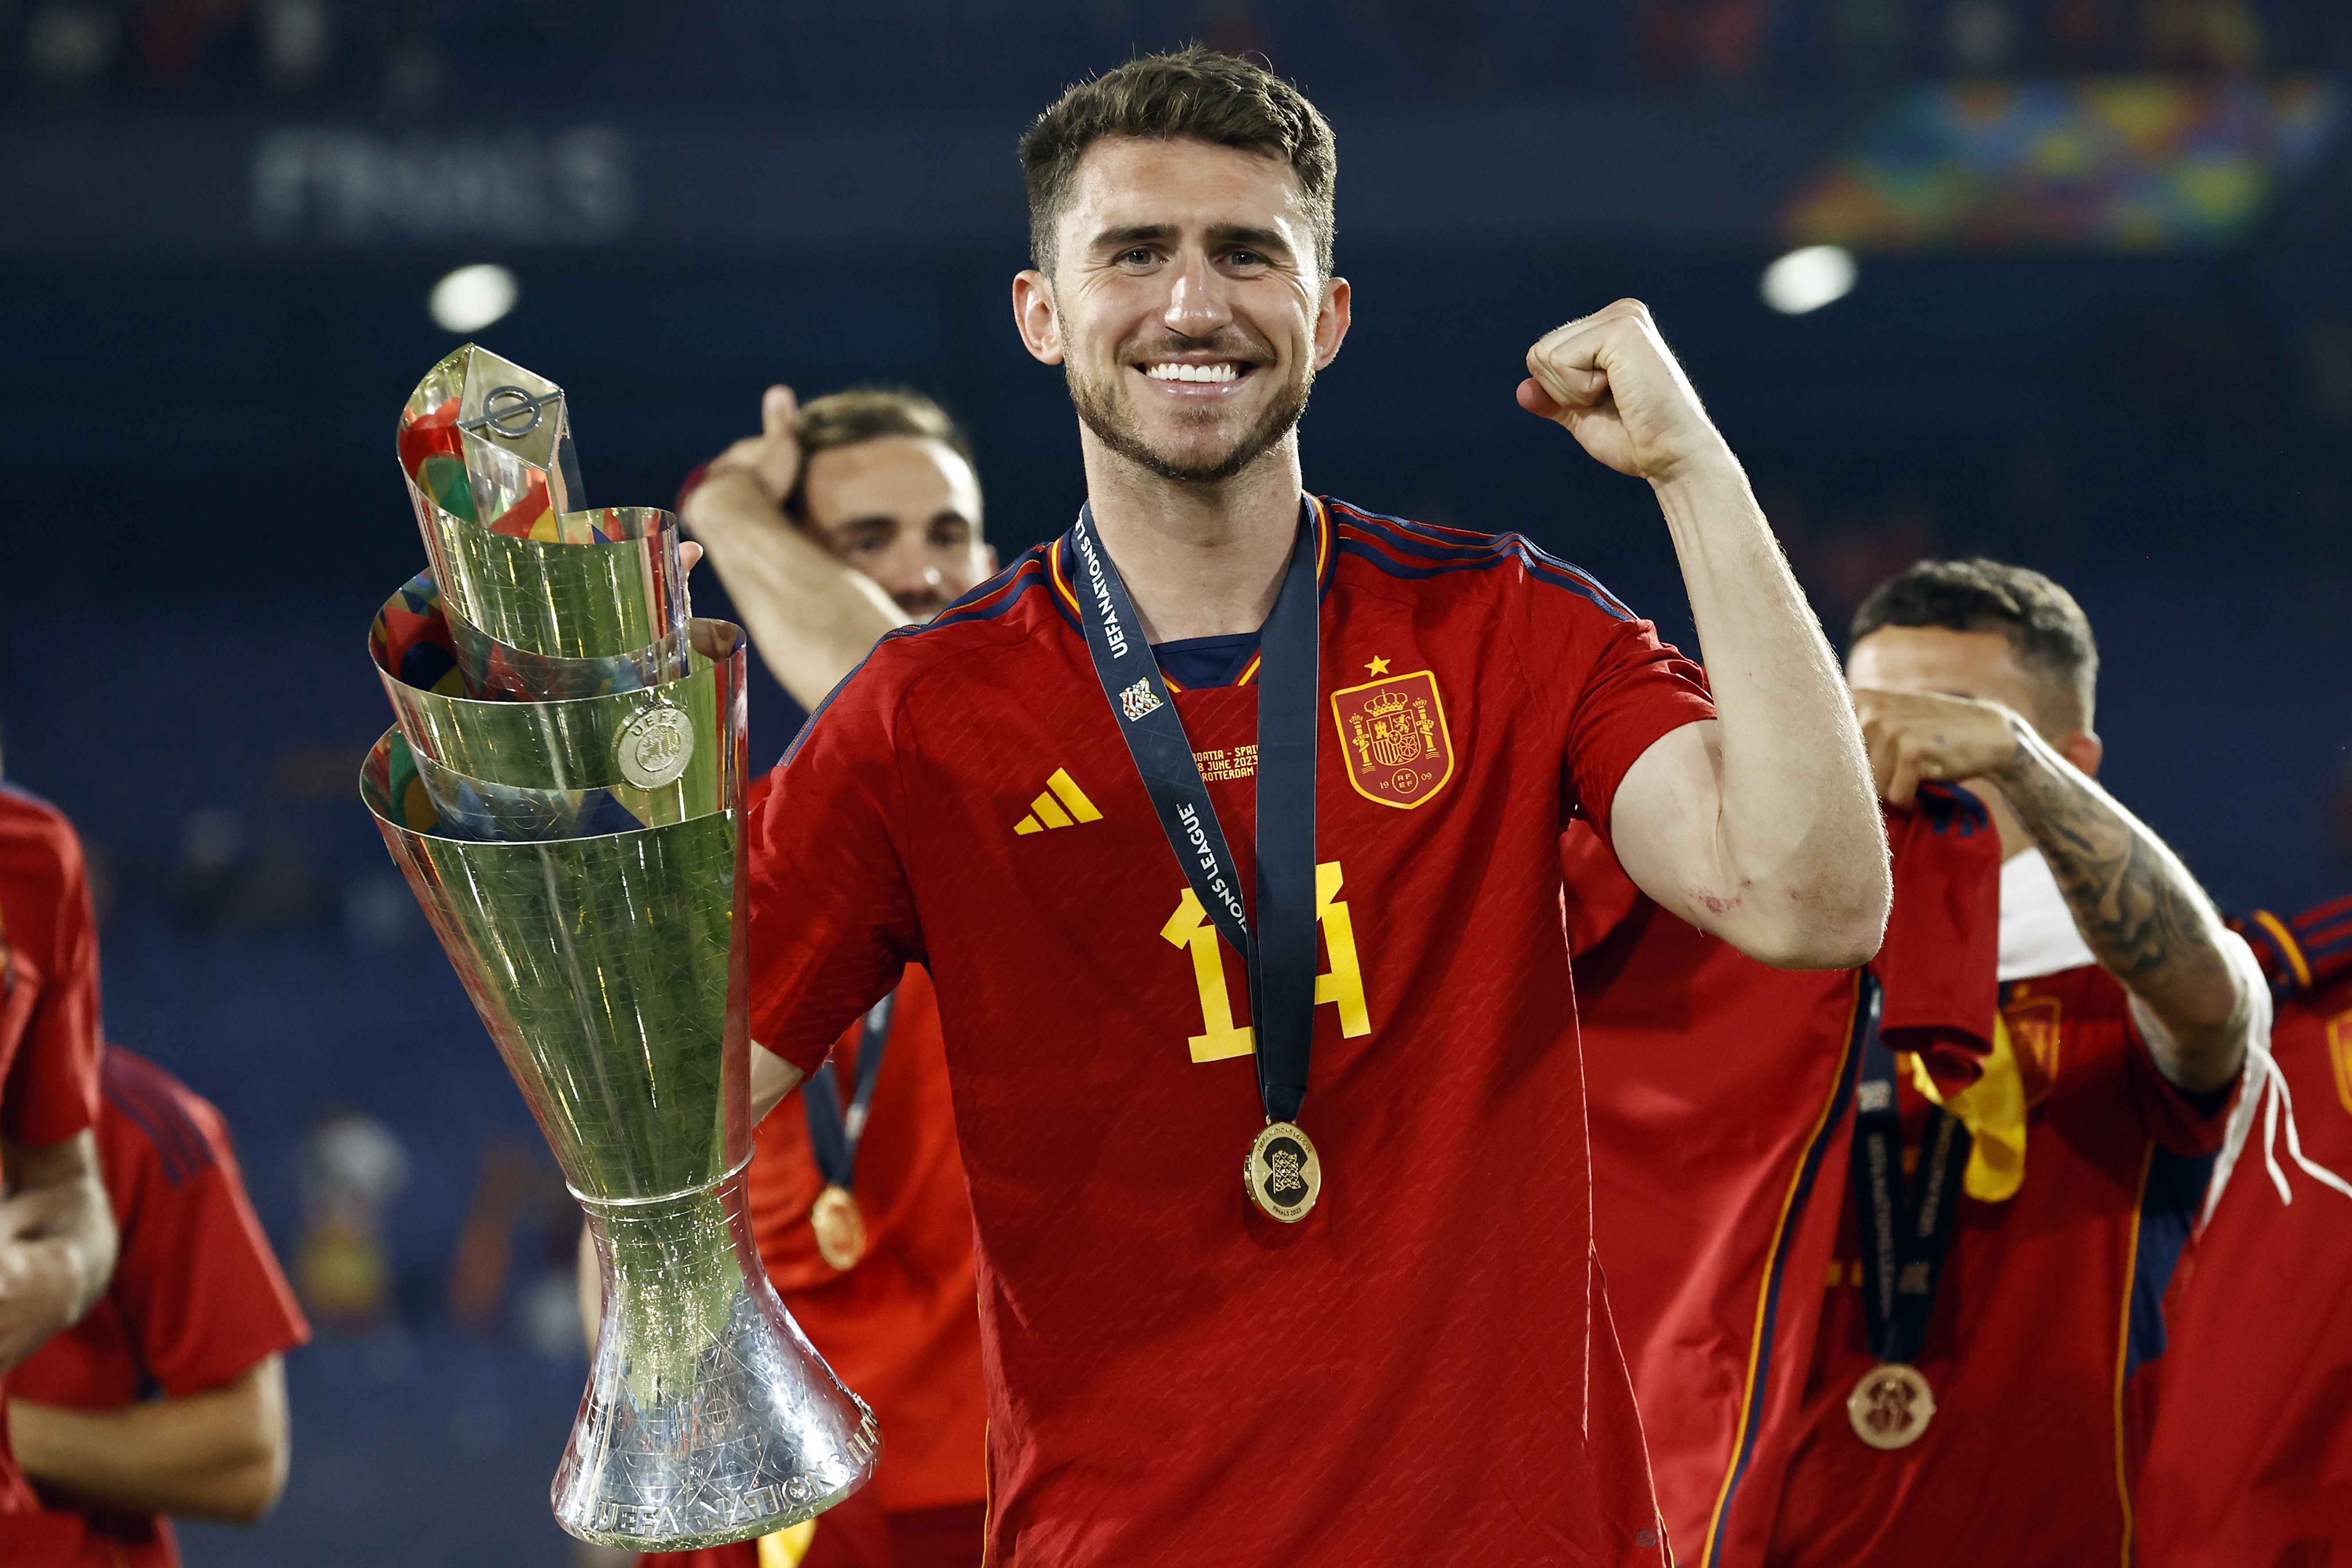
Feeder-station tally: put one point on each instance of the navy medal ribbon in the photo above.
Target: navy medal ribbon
(1280, 947)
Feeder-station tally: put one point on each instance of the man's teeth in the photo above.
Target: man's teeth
(1190, 371)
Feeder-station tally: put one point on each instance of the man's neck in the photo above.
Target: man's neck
(1201, 560)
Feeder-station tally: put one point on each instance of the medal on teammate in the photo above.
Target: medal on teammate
(1906, 1229)
(1283, 1174)
(834, 1136)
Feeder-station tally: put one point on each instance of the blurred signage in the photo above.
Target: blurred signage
(341, 186)
(2125, 163)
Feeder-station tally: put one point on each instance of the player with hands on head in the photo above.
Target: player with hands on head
(1219, 819)
(837, 524)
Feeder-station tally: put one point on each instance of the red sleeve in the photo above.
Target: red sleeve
(1939, 964)
(197, 1281)
(51, 1090)
(1620, 686)
(833, 919)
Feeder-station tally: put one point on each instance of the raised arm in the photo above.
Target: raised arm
(2138, 909)
(56, 1242)
(811, 615)
(1758, 826)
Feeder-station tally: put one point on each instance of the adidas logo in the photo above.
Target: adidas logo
(1062, 804)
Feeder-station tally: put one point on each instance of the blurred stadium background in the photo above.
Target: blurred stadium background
(2099, 322)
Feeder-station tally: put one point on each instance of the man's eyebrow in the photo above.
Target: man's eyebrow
(1244, 234)
(1133, 234)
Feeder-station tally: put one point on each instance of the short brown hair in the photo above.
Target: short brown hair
(1195, 92)
(2045, 627)
(863, 414)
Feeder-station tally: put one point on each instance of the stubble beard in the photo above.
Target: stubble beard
(1106, 409)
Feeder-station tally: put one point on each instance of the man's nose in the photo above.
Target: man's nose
(905, 570)
(1197, 307)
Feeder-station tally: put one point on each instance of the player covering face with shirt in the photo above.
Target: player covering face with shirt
(1388, 1343)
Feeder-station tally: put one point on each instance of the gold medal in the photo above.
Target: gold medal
(1891, 1405)
(840, 1228)
(1283, 1174)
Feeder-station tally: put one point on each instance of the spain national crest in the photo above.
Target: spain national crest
(1392, 732)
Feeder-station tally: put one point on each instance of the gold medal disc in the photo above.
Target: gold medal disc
(840, 1228)
(1891, 1405)
(1283, 1173)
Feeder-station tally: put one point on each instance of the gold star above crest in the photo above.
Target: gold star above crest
(1378, 667)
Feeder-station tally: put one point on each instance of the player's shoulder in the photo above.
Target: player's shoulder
(1004, 612)
(1435, 561)
(35, 835)
(153, 1118)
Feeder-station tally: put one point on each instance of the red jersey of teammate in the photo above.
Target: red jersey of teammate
(2047, 1304)
(902, 1327)
(48, 1008)
(2249, 1463)
(1423, 1370)
(1721, 1098)
(198, 1298)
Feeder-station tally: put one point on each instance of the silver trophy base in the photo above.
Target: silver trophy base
(709, 1418)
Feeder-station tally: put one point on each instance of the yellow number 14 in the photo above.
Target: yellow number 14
(1343, 985)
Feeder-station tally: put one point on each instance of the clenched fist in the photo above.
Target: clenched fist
(1611, 380)
(1917, 735)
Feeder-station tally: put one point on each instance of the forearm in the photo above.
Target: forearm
(56, 1242)
(1798, 852)
(772, 1078)
(812, 617)
(220, 1454)
(2141, 913)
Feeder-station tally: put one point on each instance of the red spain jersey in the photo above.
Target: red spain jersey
(2048, 1302)
(1422, 1370)
(2249, 1460)
(901, 1326)
(48, 1008)
(198, 1298)
(1721, 1100)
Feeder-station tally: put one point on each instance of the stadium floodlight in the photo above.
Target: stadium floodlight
(472, 297)
(1809, 279)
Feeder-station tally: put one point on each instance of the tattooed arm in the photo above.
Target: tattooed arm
(2142, 914)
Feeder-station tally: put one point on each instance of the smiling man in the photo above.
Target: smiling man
(1227, 824)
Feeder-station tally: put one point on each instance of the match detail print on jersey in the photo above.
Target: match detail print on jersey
(1392, 732)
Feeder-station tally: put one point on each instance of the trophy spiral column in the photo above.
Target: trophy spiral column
(564, 791)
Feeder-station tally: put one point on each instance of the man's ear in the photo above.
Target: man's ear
(1331, 321)
(1034, 313)
(2084, 749)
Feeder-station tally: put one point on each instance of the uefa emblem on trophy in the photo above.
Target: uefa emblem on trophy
(563, 790)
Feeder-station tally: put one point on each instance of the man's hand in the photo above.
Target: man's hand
(1919, 735)
(1612, 381)
(771, 460)
(56, 1242)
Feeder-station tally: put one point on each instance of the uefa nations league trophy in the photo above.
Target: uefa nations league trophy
(564, 792)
